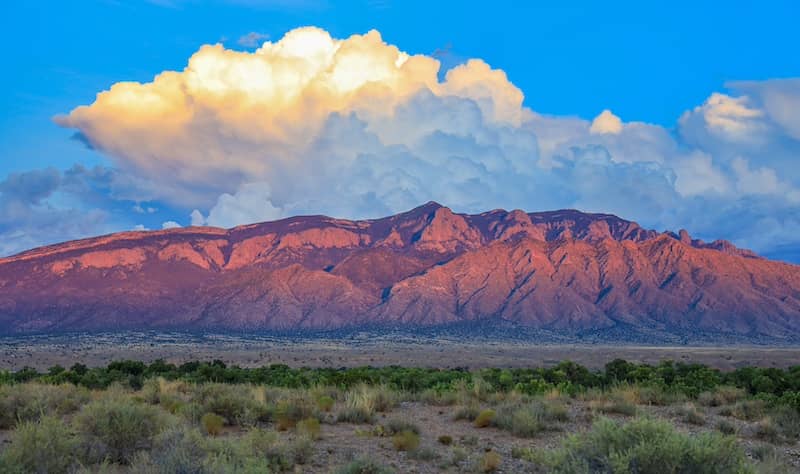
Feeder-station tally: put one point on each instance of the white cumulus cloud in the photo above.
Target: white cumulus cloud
(356, 127)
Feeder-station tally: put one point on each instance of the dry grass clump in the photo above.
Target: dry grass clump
(212, 423)
(362, 402)
(176, 450)
(310, 428)
(781, 426)
(445, 440)
(722, 395)
(468, 412)
(615, 402)
(364, 466)
(485, 418)
(726, 427)
(439, 398)
(405, 441)
(325, 403)
(490, 462)
(528, 419)
(748, 410)
(29, 401)
(690, 414)
(43, 446)
(116, 428)
(424, 453)
(293, 408)
(396, 425)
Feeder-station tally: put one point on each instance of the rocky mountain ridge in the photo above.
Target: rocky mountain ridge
(563, 271)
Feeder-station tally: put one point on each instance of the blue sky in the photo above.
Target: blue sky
(647, 62)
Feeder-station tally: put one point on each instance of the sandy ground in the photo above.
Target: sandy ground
(98, 350)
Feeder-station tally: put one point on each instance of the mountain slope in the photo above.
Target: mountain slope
(564, 271)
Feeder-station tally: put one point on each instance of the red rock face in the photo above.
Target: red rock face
(564, 271)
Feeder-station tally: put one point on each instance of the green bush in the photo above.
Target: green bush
(42, 446)
(646, 446)
(116, 428)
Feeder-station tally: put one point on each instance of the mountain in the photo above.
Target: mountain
(565, 272)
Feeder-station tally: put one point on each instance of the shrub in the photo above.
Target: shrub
(469, 413)
(396, 425)
(484, 418)
(362, 402)
(405, 441)
(766, 429)
(528, 419)
(748, 410)
(309, 428)
(691, 415)
(726, 427)
(174, 451)
(490, 462)
(722, 395)
(787, 421)
(116, 428)
(425, 453)
(614, 403)
(446, 440)
(657, 395)
(325, 403)
(291, 410)
(42, 446)
(438, 398)
(29, 401)
(355, 415)
(364, 466)
(301, 450)
(212, 423)
(646, 445)
(234, 403)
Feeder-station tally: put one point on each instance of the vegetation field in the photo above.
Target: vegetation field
(208, 417)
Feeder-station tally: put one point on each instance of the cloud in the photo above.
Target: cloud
(606, 122)
(252, 39)
(356, 127)
(170, 225)
(33, 212)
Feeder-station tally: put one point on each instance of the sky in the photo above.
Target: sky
(120, 115)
